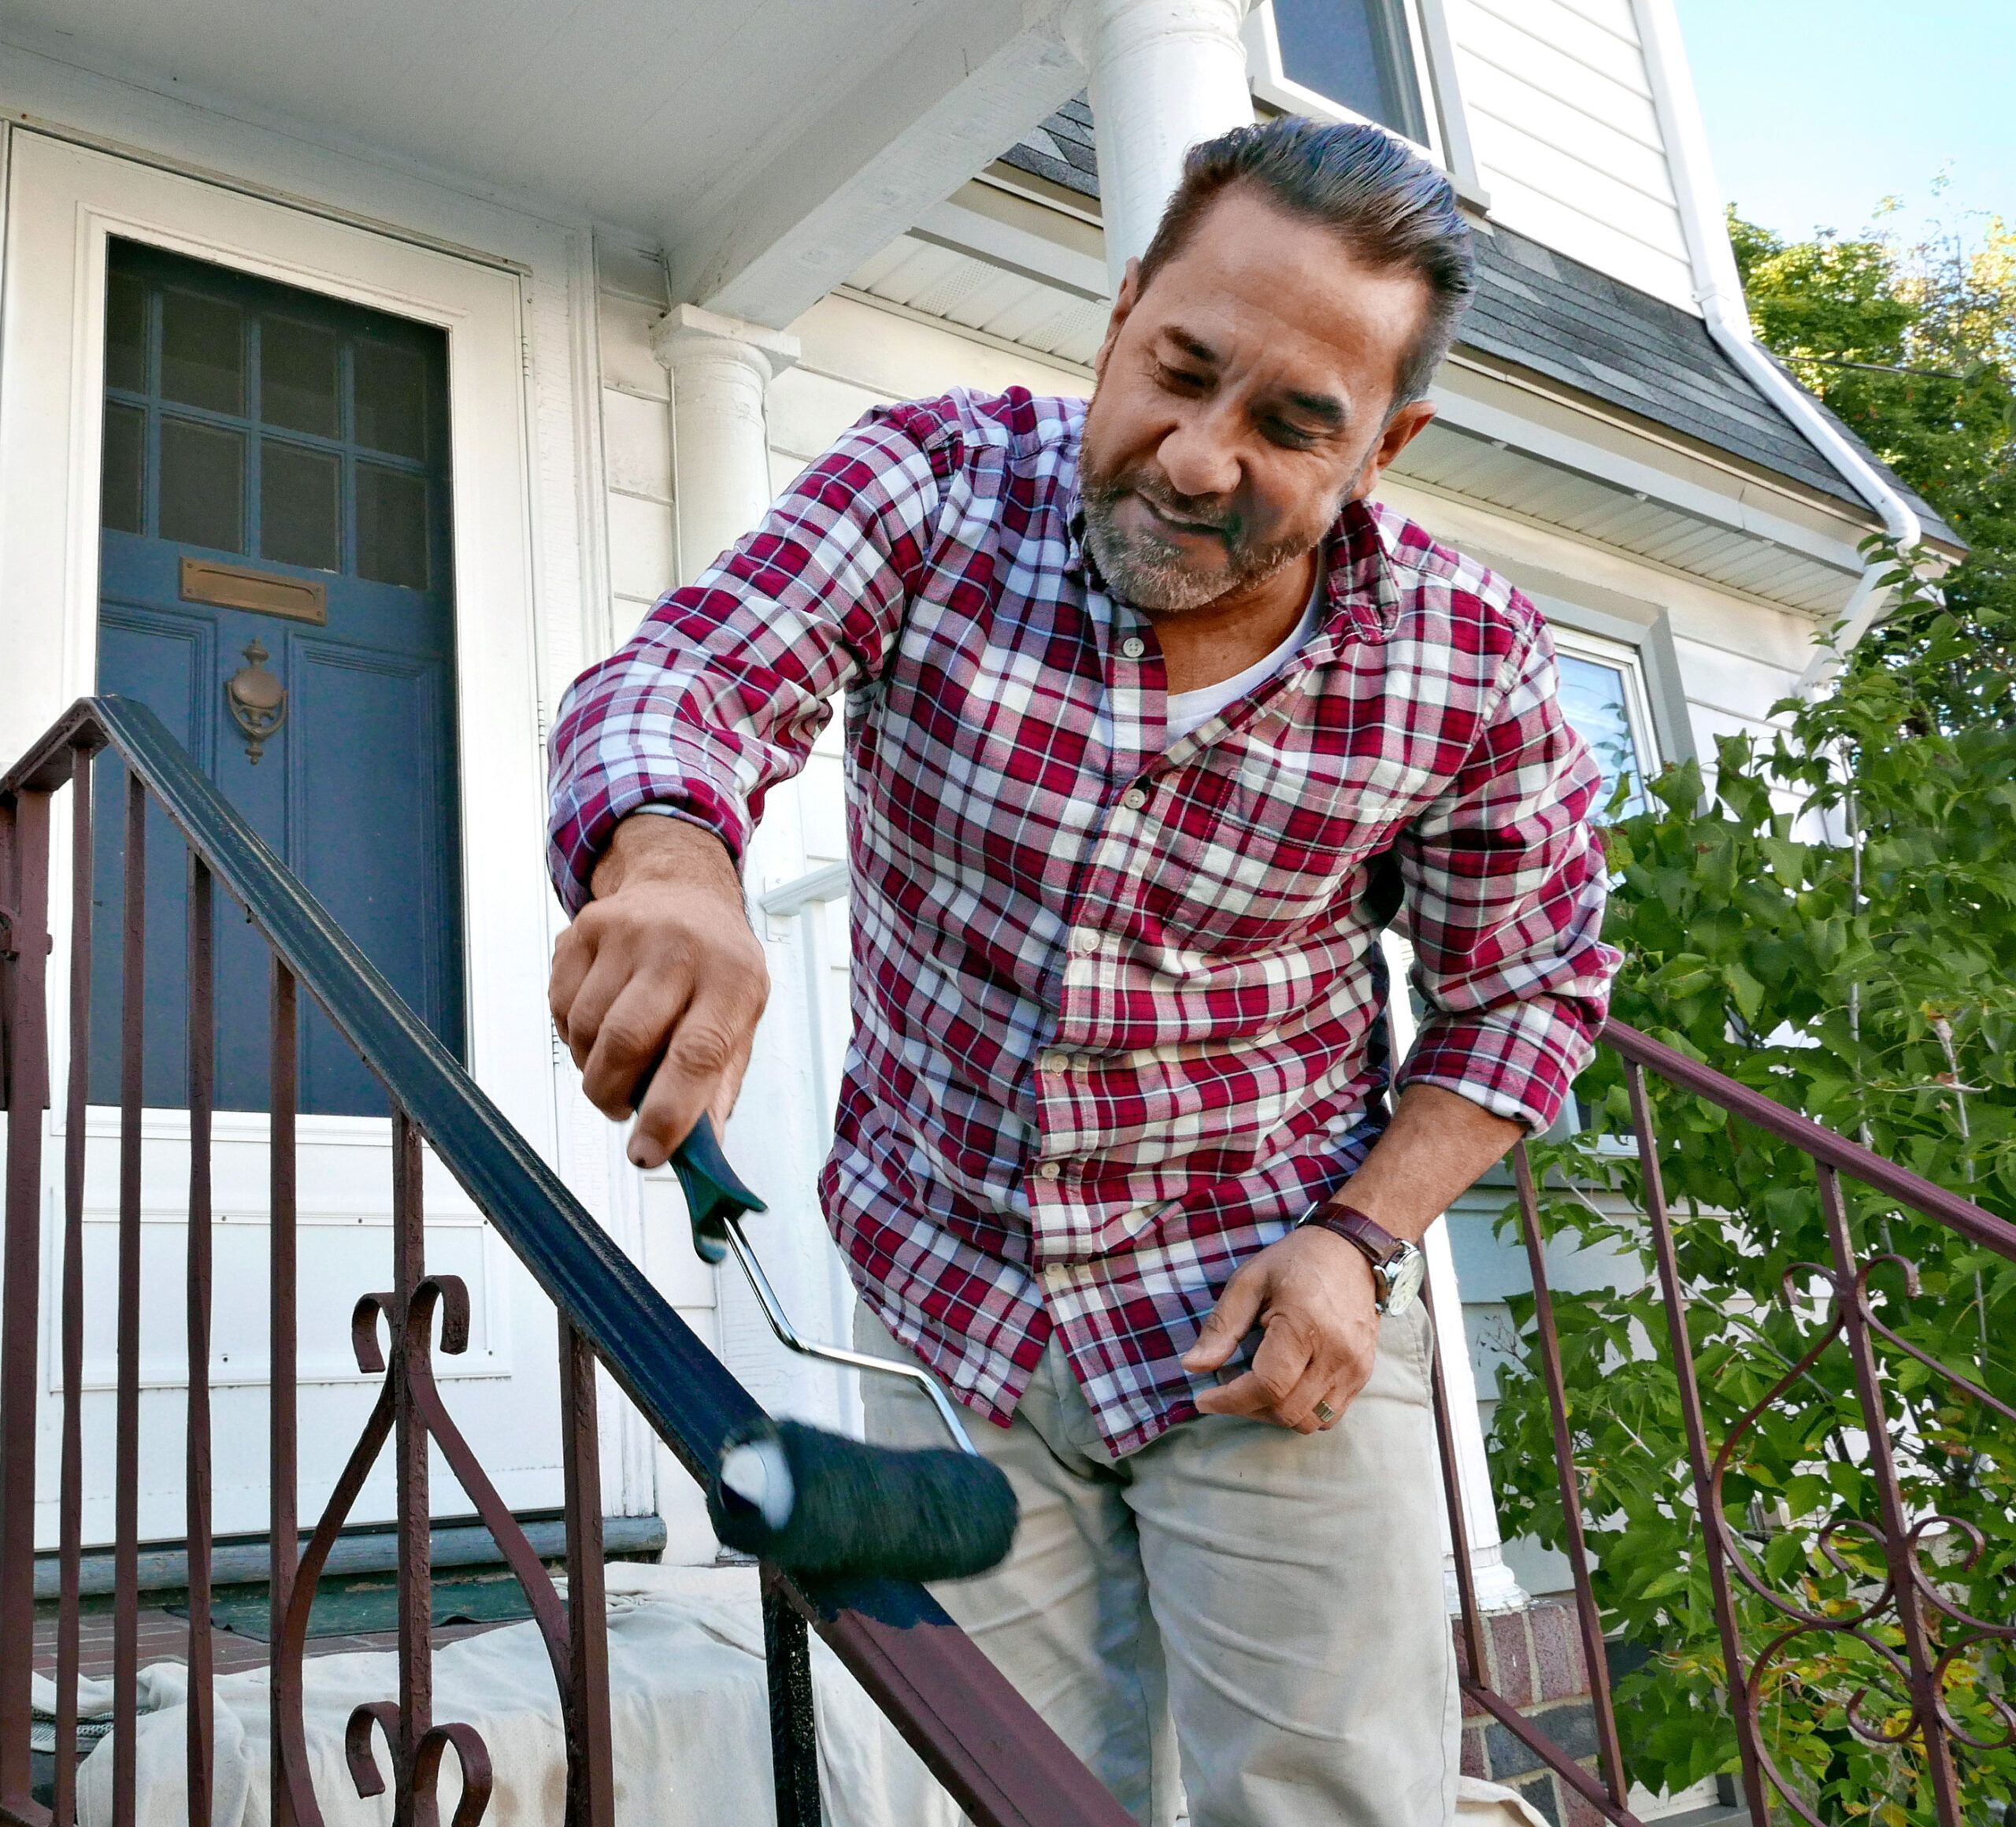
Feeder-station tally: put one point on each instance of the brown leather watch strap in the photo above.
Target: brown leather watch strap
(1379, 1245)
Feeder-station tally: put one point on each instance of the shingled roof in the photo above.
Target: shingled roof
(1542, 311)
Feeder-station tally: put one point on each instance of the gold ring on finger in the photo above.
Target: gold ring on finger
(1325, 1413)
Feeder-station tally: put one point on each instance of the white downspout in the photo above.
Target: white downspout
(1720, 294)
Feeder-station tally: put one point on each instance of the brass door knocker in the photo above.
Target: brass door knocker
(257, 699)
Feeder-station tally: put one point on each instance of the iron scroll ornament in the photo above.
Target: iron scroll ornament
(257, 699)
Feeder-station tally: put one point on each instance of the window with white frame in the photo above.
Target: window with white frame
(1363, 60)
(1602, 696)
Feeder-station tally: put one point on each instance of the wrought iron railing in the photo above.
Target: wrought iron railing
(1902, 1618)
(987, 1746)
(993, 1753)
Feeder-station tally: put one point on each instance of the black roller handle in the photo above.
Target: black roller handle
(714, 1191)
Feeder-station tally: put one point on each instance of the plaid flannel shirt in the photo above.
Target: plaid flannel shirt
(1116, 1005)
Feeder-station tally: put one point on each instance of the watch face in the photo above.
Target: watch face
(1404, 1275)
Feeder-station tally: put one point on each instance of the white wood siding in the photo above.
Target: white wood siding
(1567, 137)
(636, 430)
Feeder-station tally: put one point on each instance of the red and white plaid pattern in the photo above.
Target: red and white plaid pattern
(1116, 1008)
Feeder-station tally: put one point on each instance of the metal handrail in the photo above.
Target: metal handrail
(1911, 1600)
(1816, 1140)
(999, 1759)
(988, 1747)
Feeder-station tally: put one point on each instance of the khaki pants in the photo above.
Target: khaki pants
(1267, 1604)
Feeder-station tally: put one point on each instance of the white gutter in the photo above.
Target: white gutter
(1719, 293)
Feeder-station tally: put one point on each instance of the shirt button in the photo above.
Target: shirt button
(1049, 1170)
(1134, 798)
(1133, 647)
(1084, 940)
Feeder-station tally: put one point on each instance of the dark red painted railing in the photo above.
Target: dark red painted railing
(987, 1746)
(996, 1756)
(1934, 1630)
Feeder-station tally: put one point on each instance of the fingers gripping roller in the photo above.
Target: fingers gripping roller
(819, 1503)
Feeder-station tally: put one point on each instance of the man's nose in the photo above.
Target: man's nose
(1200, 457)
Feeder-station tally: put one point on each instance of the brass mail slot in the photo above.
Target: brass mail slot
(263, 592)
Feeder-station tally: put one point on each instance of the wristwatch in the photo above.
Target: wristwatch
(1398, 1268)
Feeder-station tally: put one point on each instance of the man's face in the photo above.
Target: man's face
(1244, 396)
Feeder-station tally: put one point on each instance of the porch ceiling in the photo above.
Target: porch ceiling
(641, 111)
(688, 121)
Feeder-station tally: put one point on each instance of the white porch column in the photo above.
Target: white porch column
(1498, 1590)
(720, 367)
(1164, 74)
(721, 488)
(721, 444)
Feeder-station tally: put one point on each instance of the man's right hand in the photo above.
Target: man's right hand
(661, 962)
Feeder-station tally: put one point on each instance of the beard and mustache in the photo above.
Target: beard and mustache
(1154, 573)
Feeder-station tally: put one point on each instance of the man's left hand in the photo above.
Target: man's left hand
(1312, 1296)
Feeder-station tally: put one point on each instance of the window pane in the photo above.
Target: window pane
(125, 334)
(391, 527)
(202, 352)
(202, 485)
(124, 465)
(1356, 52)
(297, 377)
(1593, 700)
(297, 507)
(391, 400)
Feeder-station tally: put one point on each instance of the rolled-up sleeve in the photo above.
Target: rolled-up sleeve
(722, 689)
(1505, 889)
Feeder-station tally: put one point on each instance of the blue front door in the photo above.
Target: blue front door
(276, 585)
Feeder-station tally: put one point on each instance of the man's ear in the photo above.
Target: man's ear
(1402, 429)
(1123, 305)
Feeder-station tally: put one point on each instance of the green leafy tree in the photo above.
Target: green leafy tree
(1832, 923)
(1915, 349)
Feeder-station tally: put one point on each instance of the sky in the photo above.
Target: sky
(1817, 110)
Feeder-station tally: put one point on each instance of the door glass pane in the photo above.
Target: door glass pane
(202, 485)
(1593, 700)
(125, 334)
(1356, 52)
(120, 506)
(299, 507)
(297, 377)
(391, 527)
(202, 352)
(391, 400)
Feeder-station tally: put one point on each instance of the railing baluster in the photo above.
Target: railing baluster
(70, 1500)
(24, 893)
(1549, 1342)
(794, 1731)
(591, 1765)
(410, 1457)
(1452, 1495)
(1896, 1524)
(126, 1449)
(283, 1094)
(202, 1085)
(1698, 1457)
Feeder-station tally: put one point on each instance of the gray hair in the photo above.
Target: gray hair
(1393, 210)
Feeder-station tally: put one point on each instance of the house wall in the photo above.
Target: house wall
(1567, 137)
(601, 477)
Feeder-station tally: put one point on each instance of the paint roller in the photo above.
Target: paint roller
(819, 1503)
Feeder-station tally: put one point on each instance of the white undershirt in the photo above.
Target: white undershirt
(1190, 710)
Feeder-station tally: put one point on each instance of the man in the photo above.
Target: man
(1152, 723)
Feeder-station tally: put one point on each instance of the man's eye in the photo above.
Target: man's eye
(1290, 437)
(1187, 379)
